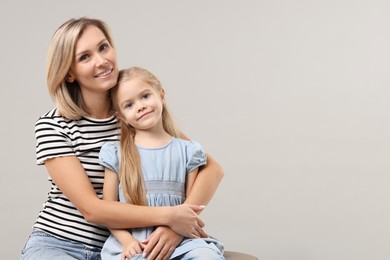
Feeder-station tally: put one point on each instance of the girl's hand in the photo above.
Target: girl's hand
(132, 248)
(186, 222)
(161, 243)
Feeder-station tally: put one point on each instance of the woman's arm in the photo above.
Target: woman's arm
(206, 183)
(190, 180)
(69, 175)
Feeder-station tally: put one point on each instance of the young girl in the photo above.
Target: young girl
(81, 70)
(151, 165)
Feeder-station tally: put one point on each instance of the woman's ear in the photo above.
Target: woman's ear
(69, 77)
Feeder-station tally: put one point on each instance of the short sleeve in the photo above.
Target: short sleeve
(196, 156)
(51, 140)
(109, 156)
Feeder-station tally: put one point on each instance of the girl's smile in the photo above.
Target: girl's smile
(144, 115)
(140, 105)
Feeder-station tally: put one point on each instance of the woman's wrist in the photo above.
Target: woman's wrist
(166, 215)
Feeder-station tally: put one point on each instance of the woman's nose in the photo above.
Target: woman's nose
(100, 60)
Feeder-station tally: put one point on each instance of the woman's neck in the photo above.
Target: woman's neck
(99, 106)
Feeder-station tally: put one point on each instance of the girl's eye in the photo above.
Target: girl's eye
(129, 105)
(145, 96)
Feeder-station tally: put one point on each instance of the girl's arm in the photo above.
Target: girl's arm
(130, 245)
(69, 175)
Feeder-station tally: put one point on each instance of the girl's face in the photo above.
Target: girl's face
(140, 105)
(94, 65)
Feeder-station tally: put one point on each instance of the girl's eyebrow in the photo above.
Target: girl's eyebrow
(140, 94)
(85, 51)
(125, 102)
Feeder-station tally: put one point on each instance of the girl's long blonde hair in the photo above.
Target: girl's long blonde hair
(67, 96)
(131, 176)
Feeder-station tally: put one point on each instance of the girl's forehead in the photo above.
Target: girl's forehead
(136, 83)
(133, 87)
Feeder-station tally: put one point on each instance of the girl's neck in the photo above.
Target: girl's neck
(152, 139)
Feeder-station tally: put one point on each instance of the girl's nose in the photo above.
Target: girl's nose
(141, 107)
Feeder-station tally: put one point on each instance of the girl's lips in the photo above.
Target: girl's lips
(147, 113)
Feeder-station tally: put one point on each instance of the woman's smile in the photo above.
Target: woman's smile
(104, 73)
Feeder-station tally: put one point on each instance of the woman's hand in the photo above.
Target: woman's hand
(186, 222)
(161, 243)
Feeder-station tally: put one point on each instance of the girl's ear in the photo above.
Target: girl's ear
(162, 95)
(119, 116)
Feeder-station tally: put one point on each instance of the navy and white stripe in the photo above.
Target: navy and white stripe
(57, 136)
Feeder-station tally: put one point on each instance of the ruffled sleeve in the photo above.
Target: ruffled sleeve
(109, 156)
(196, 156)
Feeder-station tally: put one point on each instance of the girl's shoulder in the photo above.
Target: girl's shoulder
(112, 146)
(186, 143)
(109, 155)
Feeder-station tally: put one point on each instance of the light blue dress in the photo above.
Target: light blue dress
(164, 171)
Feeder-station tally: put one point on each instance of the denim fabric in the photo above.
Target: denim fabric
(43, 246)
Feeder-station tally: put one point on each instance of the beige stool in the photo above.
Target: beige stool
(230, 255)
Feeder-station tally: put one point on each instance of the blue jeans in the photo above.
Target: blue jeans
(43, 246)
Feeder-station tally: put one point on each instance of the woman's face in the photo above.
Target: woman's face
(94, 65)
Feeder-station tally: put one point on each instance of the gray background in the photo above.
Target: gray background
(291, 97)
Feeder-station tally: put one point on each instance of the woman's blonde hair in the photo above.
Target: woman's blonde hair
(131, 175)
(67, 96)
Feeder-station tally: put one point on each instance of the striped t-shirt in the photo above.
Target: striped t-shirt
(57, 136)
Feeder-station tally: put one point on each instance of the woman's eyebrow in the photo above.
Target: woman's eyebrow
(85, 51)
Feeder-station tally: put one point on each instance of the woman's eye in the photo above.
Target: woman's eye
(104, 46)
(84, 57)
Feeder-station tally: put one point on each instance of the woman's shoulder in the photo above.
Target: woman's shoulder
(51, 116)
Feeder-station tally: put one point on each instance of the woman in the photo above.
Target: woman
(82, 68)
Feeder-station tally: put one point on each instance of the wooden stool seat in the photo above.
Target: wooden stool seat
(231, 255)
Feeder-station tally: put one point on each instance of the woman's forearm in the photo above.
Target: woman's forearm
(183, 219)
(114, 214)
(206, 183)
